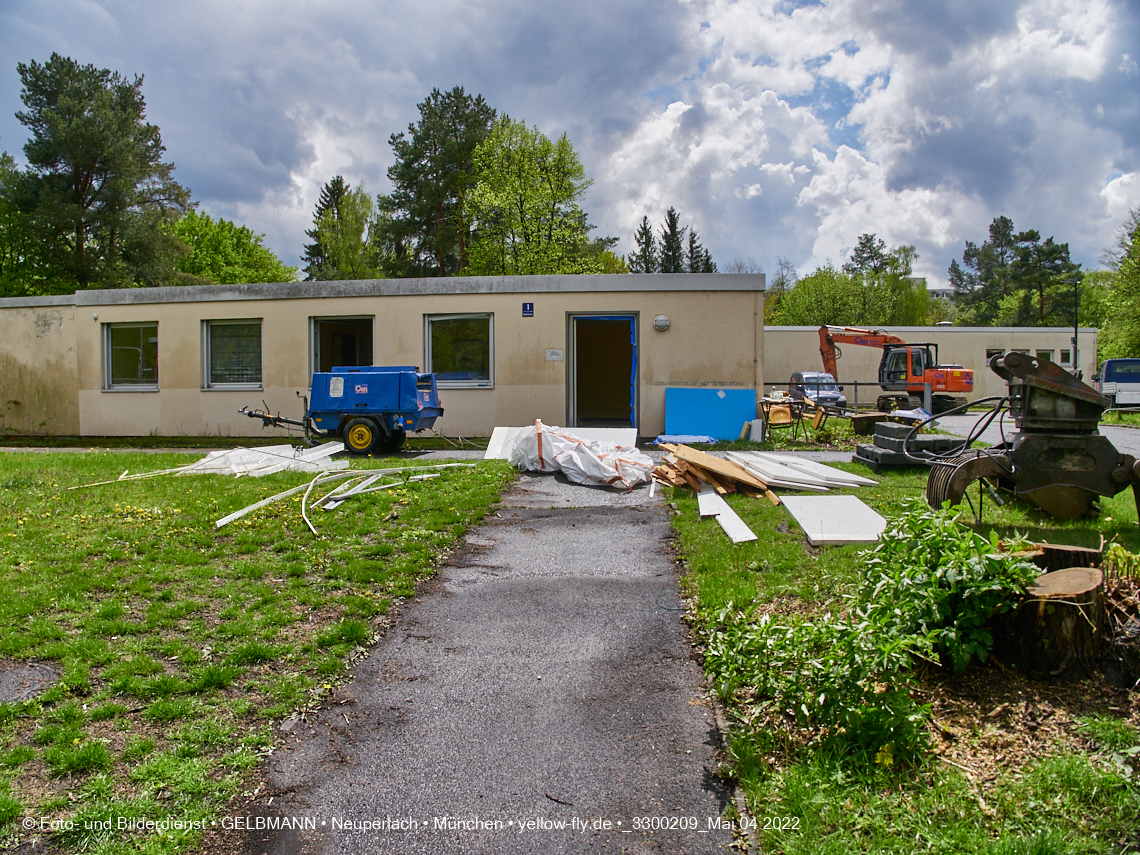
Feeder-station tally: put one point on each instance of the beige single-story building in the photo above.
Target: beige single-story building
(790, 349)
(570, 350)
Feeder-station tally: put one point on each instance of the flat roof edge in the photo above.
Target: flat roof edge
(608, 283)
(32, 302)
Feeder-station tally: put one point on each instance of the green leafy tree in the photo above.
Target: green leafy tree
(646, 258)
(22, 271)
(227, 254)
(1120, 335)
(893, 297)
(525, 207)
(347, 236)
(96, 193)
(601, 253)
(783, 282)
(315, 258)
(904, 299)
(824, 296)
(941, 310)
(426, 222)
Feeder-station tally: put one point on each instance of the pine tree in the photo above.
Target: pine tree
(672, 243)
(698, 258)
(669, 253)
(315, 257)
(645, 260)
(869, 257)
(96, 194)
(426, 218)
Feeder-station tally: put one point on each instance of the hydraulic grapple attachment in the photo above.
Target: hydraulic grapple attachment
(1056, 459)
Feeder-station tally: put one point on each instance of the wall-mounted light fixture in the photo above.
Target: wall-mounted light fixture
(661, 323)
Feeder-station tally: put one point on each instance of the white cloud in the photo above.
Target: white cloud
(1121, 195)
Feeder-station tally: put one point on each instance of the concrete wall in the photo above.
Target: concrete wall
(715, 339)
(38, 368)
(792, 349)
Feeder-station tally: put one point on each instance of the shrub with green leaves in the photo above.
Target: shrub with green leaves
(930, 586)
(838, 676)
(930, 576)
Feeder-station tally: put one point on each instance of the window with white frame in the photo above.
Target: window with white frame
(130, 356)
(231, 353)
(460, 350)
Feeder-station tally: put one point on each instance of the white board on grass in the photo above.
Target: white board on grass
(776, 474)
(711, 504)
(835, 519)
(821, 470)
(707, 503)
(503, 438)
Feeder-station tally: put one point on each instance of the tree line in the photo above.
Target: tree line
(473, 193)
(1014, 278)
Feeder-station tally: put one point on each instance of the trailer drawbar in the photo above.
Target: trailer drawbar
(368, 407)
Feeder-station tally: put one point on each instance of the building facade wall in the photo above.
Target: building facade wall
(715, 339)
(792, 349)
(39, 368)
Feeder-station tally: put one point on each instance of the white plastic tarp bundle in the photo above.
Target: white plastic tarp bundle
(543, 448)
(268, 460)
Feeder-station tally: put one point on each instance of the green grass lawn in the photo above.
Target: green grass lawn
(1009, 766)
(179, 646)
(1117, 417)
(279, 437)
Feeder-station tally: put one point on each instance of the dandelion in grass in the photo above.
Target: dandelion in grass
(886, 755)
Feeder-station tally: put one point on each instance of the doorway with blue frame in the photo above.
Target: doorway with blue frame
(603, 370)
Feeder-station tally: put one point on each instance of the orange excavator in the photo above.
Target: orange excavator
(904, 370)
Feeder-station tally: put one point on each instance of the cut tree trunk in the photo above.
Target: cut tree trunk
(1057, 631)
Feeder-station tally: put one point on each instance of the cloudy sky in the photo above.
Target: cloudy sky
(778, 129)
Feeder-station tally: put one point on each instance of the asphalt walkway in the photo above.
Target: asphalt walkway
(539, 696)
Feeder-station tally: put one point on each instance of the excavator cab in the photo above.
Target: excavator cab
(904, 366)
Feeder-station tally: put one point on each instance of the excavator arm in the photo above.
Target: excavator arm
(829, 336)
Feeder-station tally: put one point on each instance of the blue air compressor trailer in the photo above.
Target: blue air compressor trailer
(368, 407)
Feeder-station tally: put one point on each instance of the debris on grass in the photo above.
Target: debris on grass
(255, 462)
(356, 482)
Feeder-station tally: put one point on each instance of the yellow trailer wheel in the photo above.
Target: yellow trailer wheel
(360, 436)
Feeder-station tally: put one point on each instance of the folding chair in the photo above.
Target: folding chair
(779, 416)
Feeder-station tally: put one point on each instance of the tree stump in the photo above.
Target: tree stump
(1057, 631)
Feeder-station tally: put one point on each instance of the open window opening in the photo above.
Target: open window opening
(341, 341)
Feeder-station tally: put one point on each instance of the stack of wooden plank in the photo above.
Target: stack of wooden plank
(684, 466)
